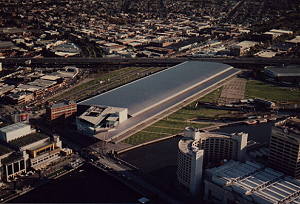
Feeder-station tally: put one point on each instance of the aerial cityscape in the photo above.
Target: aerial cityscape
(150, 101)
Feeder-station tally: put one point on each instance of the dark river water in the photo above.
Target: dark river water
(158, 160)
(88, 186)
(159, 155)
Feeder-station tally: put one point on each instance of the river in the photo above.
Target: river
(84, 185)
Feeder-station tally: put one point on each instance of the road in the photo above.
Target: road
(110, 62)
(132, 180)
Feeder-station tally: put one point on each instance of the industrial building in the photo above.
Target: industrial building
(15, 131)
(202, 149)
(147, 97)
(21, 97)
(284, 74)
(64, 109)
(144, 94)
(24, 148)
(100, 118)
(242, 48)
(285, 147)
(249, 183)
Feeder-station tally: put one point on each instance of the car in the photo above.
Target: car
(143, 200)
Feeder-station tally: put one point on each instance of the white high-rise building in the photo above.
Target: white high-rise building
(198, 149)
(190, 161)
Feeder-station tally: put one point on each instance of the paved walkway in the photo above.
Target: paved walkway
(233, 91)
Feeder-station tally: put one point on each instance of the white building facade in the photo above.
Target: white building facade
(190, 161)
(15, 131)
(198, 149)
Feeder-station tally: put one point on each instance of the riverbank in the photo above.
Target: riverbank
(158, 161)
(43, 182)
(85, 184)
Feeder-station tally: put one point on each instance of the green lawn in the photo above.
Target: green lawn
(259, 89)
(176, 122)
(212, 97)
(142, 137)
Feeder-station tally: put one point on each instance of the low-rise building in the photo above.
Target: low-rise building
(21, 97)
(42, 149)
(242, 48)
(249, 183)
(14, 165)
(5, 88)
(27, 148)
(64, 109)
(100, 118)
(289, 73)
(276, 33)
(15, 131)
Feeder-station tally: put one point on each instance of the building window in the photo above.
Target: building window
(16, 167)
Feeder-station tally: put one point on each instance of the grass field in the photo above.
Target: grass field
(176, 122)
(259, 89)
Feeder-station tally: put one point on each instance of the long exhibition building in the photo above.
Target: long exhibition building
(152, 95)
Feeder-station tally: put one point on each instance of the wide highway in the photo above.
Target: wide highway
(91, 62)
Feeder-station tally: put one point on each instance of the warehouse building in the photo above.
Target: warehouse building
(15, 131)
(249, 183)
(155, 94)
(144, 94)
(284, 74)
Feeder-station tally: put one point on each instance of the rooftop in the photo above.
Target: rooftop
(145, 93)
(62, 104)
(28, 139)
(256, 182)
(187, 146)
(16, 156)
(96, 114)
(40, 145)
(294, 40)
(292, 70)
(13, 127)
(4, 150)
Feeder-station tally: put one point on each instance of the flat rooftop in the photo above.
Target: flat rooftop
(28, 139)
(4, 150)
(256, 182)
(62, 104)
(13, 127)
(292, 70)
(145, 93)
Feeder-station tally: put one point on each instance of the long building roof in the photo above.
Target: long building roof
(148, 92)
